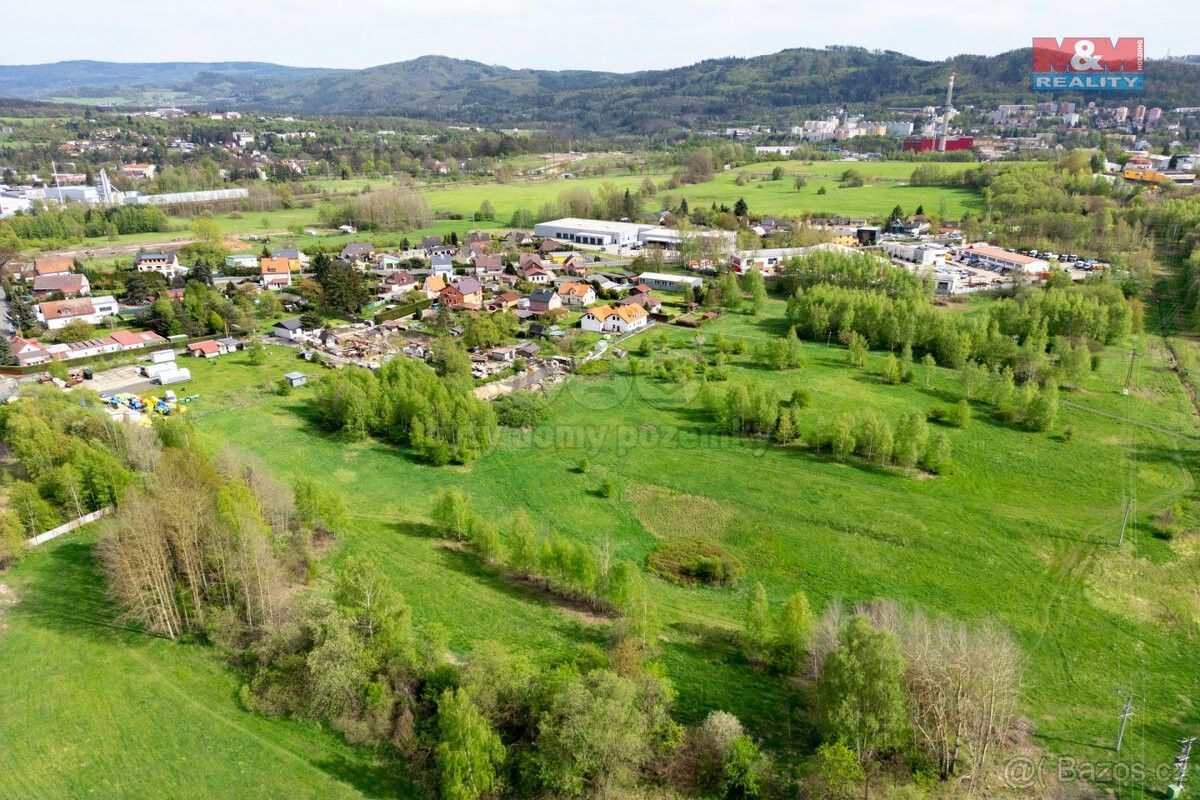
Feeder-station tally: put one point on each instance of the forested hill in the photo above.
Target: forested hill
(773, 88)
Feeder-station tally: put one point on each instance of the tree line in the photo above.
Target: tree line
(75, 221)
(891, 309)
(74, 460)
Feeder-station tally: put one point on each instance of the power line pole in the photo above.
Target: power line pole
(1129, 372)
(1175, 789)
(1121, 541)
(1126, 713)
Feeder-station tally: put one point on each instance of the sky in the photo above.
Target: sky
(613, 35)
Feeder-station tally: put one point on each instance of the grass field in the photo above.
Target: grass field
(883, 191)
(1022, 532)
(91, 709)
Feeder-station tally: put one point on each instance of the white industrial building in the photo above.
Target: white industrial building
(12, 205)
(670, 238)
(605, 233)
(922, 254)
(594, 232)
(1005, 260)
(768, 260)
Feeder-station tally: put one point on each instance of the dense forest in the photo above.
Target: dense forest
(768, 88)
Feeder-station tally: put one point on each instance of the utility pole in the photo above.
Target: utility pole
(1121, 541)
(1175, 789)
(1129, 372)
(1126, 713)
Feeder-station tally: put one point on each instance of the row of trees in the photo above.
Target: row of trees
(865, 433)
(755, 409)
(407, 403)
(397, 209)
(75, 221)
(567, 568)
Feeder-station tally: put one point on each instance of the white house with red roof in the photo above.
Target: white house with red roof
(57, 314)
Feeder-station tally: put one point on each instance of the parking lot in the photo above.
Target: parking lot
(118, 380)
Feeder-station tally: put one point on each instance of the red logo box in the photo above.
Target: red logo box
(1084, 54)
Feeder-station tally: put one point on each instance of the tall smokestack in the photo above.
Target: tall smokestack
(946, 114)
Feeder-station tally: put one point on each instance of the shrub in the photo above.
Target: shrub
(521, 410)
(599, 366)
(801, 398)
(608, 488)
(696, 562)
(956, 415)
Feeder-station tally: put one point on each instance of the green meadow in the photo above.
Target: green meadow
(1022, 531)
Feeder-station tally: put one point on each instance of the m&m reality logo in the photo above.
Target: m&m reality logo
(1088, 64)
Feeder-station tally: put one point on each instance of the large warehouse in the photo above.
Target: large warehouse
(594, 232)
(1008, 261)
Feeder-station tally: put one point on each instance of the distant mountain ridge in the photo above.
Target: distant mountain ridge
(43, 81)
(770, 88)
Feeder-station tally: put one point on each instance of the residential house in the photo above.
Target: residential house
(297, 261)
(397, 284)
(528, 260)
(433, 285)
(577, 295)
(243, 261)
(442, 263)
(166, 264)
(482, 237)
(289, 329)
(28, 352)
(507, 299)
(431, 243)
(516, 238)
(488, 266)
(647, 301)
(622, 319)
(537, 275)
(450, 297)
(551, 246)
(544, 300)
(129, 340)
(206, 349)
(58, 314)
(53, 265)
(275, 273)
(358, 252)
(463, 293)
(143, 171)
(387, 260)
(70, 284)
